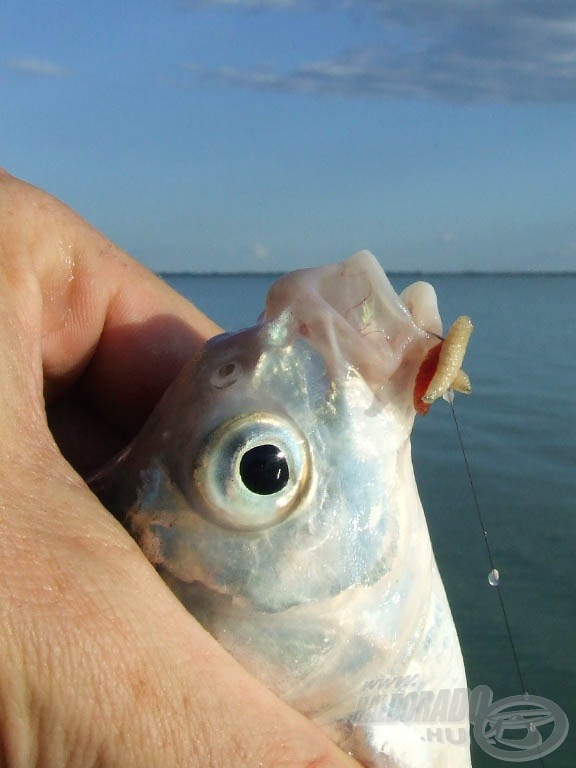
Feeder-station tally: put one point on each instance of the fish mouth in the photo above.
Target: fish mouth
(353, 316)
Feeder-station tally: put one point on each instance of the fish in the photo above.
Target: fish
(274, 491)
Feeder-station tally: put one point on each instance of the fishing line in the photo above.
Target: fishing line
(494, 575)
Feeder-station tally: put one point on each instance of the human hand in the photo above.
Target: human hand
(100, 665)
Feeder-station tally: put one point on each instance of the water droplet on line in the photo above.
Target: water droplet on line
(494, 577)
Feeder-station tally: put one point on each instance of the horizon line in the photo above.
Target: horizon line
(395, 272)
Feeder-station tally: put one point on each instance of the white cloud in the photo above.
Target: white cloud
(448, 239)
(34, 67)
(261, 252)
(496, 50)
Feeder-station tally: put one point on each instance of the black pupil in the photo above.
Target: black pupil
(264, 469)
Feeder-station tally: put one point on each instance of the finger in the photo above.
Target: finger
(103, 316)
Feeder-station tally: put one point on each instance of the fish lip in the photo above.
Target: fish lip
(421, 301)
(353, 316)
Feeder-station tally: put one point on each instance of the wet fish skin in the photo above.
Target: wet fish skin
(330, 581)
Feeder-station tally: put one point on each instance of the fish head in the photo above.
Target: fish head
(276, 471)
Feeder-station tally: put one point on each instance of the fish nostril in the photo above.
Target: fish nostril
(264, 469)
(226, 375)
(227, 370)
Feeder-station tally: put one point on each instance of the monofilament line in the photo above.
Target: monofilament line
(488, 547)
(489, 554)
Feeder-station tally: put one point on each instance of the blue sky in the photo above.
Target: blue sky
(271, 134)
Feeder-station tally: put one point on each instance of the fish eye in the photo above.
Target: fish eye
(252, 471)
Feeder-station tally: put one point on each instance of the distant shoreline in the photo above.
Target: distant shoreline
(391, 273)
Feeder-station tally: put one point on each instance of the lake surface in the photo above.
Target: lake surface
(519, 429)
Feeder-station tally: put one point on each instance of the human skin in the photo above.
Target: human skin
(100, 665)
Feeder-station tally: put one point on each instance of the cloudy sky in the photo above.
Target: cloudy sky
(266, 134)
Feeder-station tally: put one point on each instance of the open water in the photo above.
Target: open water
(519, 429)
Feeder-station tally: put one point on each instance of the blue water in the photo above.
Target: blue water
(519, 428)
